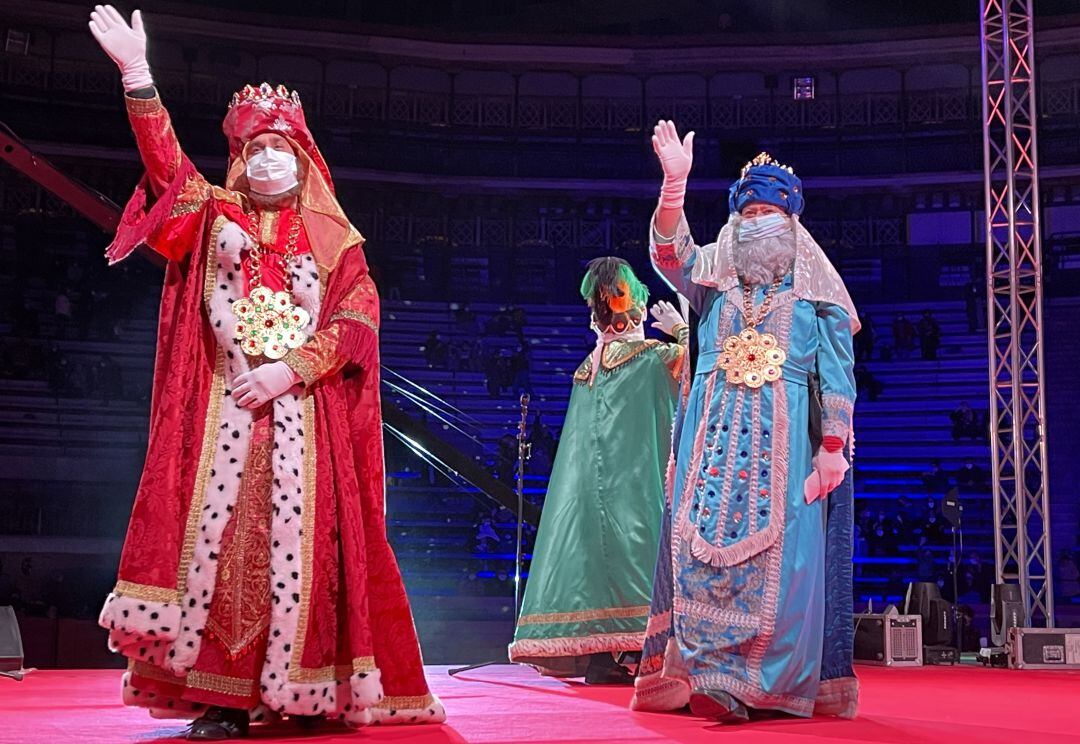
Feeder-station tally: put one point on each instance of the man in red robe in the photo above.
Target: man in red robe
(256, 578)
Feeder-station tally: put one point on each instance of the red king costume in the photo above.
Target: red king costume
(256, 570)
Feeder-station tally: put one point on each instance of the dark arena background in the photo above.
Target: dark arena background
(487, 149)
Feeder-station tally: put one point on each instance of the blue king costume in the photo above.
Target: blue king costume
(752, 596)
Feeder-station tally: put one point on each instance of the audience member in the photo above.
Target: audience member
(929, 335)
(903, 336)
(966, 423)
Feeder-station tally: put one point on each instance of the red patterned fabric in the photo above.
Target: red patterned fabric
(358, 607)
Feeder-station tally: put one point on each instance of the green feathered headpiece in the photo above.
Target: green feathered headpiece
(610, 282)
(616, 296)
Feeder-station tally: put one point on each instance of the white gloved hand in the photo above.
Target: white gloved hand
(263, 384)
(667, 317)
(231, 239)
(828, 473)
(675, 158)
(125, 45)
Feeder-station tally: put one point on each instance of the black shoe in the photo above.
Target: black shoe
(219, 724)
(604, 670)
(719, 706)
(306, 722)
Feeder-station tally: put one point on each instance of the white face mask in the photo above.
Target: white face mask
(272, 172)
(766, 226)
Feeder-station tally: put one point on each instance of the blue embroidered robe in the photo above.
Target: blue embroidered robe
(752, 591)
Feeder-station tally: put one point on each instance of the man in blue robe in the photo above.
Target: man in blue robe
(751, 606)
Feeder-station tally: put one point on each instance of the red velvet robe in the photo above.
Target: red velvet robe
(303, 476)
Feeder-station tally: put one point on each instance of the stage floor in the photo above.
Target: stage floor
(510, 704)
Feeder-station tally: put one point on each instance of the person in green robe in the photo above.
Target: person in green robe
(586, 601)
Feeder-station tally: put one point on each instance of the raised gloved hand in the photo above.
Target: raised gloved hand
(675, 158)
(263, 384)
(667, 318)
(125, 45)
(231, 239)
(828, 473)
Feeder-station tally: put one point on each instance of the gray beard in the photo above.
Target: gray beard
(277, 201)
(764, 260)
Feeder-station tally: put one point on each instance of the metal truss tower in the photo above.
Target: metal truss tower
(1014, 305)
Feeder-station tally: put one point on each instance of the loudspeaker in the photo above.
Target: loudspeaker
(889, 639)
(1006, 611)
(11, 650)
(951, 508)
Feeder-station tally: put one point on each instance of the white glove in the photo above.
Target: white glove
(828, 473)
(675, 158)
(667, 318)
(263, 384)
(125, 45)
(231, 239)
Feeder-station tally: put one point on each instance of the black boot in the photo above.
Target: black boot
(719, 706)
(604, 670)
(219, 724)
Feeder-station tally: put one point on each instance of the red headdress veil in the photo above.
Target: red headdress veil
(254, 111)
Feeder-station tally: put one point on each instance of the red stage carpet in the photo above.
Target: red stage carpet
(507, 704)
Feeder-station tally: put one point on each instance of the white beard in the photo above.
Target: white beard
(764, 260)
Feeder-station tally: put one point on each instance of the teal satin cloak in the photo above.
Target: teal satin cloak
(591, 576)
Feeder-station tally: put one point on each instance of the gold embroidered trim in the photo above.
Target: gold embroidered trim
(414, 702)
(206, 459)
(584, 370)
(337, 673)
(210, 270)
(616, 354)
(682, 333)
(268, 222)
(356, 315)
(181, 208)
(149, 671)
(143, 106)
(145, 592)
(619, 353)
(321, 674)
(302, 366)
(584, 615)
(364, 664)
(236, 686)
(233, 197)
(307, 541)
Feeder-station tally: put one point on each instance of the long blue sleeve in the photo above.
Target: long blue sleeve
(836, 369)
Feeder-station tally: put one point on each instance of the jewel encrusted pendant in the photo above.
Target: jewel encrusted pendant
(752, 358)
(268, 323)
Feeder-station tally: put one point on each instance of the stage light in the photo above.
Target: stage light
(1006, 611)
(802, 88)
(924, 599)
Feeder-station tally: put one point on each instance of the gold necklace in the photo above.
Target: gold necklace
(751, 358)
(267, 322)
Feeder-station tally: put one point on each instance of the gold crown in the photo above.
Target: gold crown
(764, 158)
(265, 92)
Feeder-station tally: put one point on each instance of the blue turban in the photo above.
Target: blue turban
(765, 181)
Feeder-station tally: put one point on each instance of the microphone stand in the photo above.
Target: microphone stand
(955, 517)
(524, 451)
